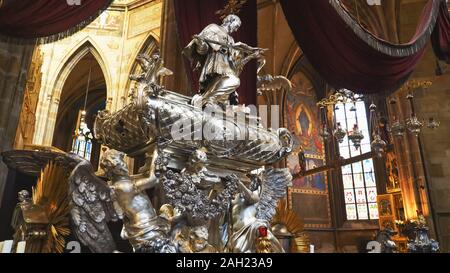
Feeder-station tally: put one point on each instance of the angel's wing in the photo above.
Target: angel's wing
(92, 208)
(270, 83)
(274, 185)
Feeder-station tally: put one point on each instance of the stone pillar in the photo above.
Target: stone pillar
(27, 122)
(409, 161)
(14, 63)
(435, 102)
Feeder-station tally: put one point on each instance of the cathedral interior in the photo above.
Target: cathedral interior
(351, 98)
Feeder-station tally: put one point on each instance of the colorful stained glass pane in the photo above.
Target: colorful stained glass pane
(88, 150)
(370, 179)
(357, 167)
(81, 148)
(347, 169)
(373, 211)
(368, 165)
(349, 196)
(358, 179)
(360, 196)
(88, 146)
(371, 195)
(348, 182)
(363, 214)
(351, 212)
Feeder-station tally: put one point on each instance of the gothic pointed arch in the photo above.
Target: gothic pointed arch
(149, 46)
(49, 105)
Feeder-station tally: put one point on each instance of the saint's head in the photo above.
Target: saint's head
(231, 23)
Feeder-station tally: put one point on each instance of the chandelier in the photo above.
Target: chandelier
(413, 124)
(378, 145)
(342, 96)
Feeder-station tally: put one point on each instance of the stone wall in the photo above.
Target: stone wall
(115, 39)
(14, 62)
(435, 102)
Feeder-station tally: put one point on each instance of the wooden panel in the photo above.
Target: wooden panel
(314, 209)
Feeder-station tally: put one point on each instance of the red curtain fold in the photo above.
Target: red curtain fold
(194, 15)
(441, 34)
(42, 18)
(342, 58)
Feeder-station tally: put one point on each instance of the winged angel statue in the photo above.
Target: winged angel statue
(95, 203)
(254, 208)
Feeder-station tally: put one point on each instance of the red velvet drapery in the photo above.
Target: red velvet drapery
(42, 18)
(344, 59)
(441, 34)
(193, 15)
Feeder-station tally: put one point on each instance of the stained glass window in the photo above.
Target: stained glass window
(82, 142)
(360, 192)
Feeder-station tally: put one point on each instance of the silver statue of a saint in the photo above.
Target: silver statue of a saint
(220, 59)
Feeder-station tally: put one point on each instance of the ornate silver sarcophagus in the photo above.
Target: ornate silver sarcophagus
(231, 135)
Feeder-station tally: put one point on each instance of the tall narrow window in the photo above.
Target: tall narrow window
(359, 181)
(82, 141)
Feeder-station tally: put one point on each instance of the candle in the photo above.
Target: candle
(21, 247)
(7, 246)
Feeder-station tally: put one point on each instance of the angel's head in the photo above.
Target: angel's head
(167, 211)
(199, 238)
(255, 181)
(197, 159)
(199, 156)
(113, 163)
(23, 196)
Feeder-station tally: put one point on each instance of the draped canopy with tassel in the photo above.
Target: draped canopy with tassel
(441, 35)
(53, 19)
(347, 55)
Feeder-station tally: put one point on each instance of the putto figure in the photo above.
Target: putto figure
(220, 60)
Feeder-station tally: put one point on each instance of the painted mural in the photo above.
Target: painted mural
(302, 119)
